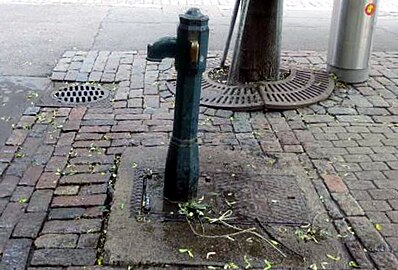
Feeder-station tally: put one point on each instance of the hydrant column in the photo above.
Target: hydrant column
(182, 164)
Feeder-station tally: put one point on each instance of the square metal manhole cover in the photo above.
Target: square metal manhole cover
(252, 198)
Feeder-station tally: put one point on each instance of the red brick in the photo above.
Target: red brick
(85, 178)
(271, 146)
(93, 212)
(17, 137)
(77, 113)
(7, 185)
(26, 121)
(293, 148)
(101, 143)
(99, 116)
(93, 189)
(334, 183)
(62, 150)
(66, 139)
(127, 111)
(71, 125)
(48, 180)
(120, 104)
(12, 214)
(56, 163)
(115, 136)
(115, 150)
(52, 137)
(72, 226)
(63, 111)
(31, 175)
(6, 157)
(133, 116)
(93, 159)
(73, 169)
(88, 136)
(131, 126)
(68, 201)
(100, 110)
(95, 129)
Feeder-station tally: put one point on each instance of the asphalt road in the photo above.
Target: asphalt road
(33, 37)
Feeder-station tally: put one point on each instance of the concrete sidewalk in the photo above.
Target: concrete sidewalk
(59, 166)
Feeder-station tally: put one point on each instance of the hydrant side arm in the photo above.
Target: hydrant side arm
(165, 47)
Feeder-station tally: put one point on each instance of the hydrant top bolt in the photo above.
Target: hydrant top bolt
(194, 17)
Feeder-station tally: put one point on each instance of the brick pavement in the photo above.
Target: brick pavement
(58, 167)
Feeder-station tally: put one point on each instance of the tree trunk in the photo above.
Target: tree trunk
(258, 45)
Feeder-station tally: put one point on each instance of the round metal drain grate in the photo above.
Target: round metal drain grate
(80, 94)
(299, 88)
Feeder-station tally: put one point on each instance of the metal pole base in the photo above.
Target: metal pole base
(349, 75)
(182, 170)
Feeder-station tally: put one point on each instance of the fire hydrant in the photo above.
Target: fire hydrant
(190, 51)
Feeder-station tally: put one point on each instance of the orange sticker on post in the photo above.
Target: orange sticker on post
(370, 9)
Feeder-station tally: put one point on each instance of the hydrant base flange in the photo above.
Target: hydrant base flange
(349, 75)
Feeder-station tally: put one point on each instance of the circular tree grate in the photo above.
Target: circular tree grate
(299, 88)
(80, 94)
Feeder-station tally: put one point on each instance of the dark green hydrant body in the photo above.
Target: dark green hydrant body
(190, 49)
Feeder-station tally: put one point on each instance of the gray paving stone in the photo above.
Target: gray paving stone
(393, 216)
(71, 75)
(16, 254)
(377, 217)
(22, 193)
(385, 157)
(63, 257)
(393, 242)
(65, 213)
(95, 76)
(8, 185)
(318, 118)
(341, 111)
(367, 234)
(378, 101)
(40, 201)
(373, 166)
(385, 260)
(359, 255)
(373, 111)
(57, 241)
(354, 118)
(29, 225)
(360, 101)
(348, 204)
(58, 76)
(72, 226)
(383, 194)
(389, 229)
(375, 205)
(88, 240)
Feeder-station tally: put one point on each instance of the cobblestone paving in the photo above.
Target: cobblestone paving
(58, 166)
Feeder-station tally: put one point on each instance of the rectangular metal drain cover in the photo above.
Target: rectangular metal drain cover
(253, 198)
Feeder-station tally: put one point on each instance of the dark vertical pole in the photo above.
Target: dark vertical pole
(231, 31)
(258, 48)
(182, 164)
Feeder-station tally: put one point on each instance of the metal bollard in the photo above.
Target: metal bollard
(351, 39)
(190, 52)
